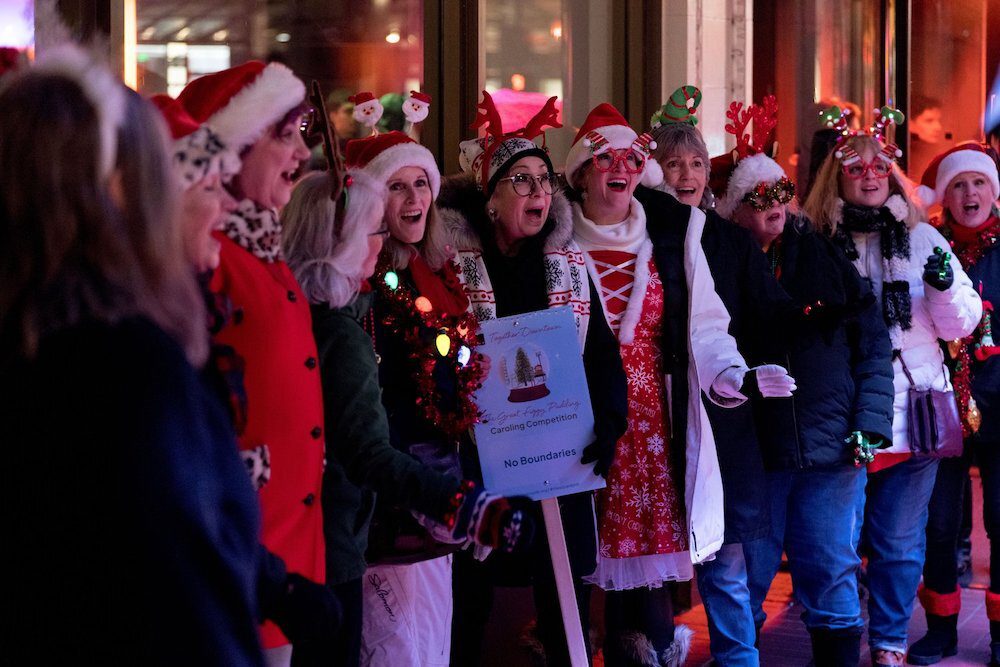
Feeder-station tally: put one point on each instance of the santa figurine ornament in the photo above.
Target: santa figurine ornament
(367, 110)
(416, 107)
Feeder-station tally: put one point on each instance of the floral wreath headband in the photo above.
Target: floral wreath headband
(835, 118)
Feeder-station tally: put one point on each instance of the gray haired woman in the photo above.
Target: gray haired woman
(332, 257)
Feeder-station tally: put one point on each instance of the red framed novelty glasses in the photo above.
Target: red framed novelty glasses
(859, 169)
(632, 160)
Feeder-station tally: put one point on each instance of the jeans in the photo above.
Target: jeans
(724, 590)
(814, 517)
(894, 530)
(946, 510)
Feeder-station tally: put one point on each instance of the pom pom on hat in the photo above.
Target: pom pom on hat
(969, 156)
(240, 103)
(605, 129)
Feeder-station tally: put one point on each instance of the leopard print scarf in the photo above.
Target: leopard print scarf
(257, 229)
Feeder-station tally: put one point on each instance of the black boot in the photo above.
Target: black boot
(836, 648)
(940, 641)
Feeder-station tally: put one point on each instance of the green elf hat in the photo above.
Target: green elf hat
(679, 108)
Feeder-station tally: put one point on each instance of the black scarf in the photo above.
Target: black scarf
(894, 242)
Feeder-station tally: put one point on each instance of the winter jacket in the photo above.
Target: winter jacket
(953, 313)
(697, 347)
(985, 275)
(130, 524)
(360, 459)
(519, 285)
(271, 330)
(752, 296)
(843, 374)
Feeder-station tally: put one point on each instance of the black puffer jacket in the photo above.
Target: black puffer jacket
(844, 373)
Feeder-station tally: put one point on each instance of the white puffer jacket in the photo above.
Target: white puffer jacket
(946, 315)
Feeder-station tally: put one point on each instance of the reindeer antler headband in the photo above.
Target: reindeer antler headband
(764, 118)
(488, 118)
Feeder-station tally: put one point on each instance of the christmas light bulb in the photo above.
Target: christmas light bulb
(391, 279)
(464, 355)
(423, 304)
(443, 344)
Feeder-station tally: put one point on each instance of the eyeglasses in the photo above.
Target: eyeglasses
(525, 184)
(764, 196)
(382, 231)
(632, 160)
(859, 169)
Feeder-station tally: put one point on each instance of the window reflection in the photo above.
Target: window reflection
(534, 50)
(348, 47)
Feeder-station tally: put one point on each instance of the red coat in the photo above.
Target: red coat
(271, 329)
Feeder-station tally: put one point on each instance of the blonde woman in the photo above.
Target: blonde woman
(862, 200)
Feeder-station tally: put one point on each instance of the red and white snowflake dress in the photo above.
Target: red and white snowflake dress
(641, 523)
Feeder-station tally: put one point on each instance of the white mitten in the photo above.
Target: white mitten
(728, 383)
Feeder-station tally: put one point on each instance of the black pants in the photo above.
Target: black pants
(945, 515)
(642, 610)
(473, 582)
(349, 637)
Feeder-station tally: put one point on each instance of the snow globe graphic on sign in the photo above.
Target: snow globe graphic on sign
(525, 369)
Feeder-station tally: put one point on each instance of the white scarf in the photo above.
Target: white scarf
(629, 235)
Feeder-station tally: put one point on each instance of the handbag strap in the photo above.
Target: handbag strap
(899, 355)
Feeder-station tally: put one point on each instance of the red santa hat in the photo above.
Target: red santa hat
(240, 103)
(382, 155)
(198, 151)
(968, 156)
(749, 173)
(606, 129)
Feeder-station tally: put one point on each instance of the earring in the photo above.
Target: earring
(583, 195)
(492, 213)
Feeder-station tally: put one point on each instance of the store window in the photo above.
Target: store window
(372, 46)
(17, 29)
(531, 51)
(948, 80)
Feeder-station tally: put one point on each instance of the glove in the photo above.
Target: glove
(309, 614)
(601, 453)
(494, 521)
(767, 381)
(770, 381)
(864, 444)
(938, 272)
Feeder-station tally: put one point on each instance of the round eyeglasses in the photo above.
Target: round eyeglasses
(525, 184)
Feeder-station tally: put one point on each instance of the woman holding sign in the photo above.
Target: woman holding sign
(658, 298)
(513, 234)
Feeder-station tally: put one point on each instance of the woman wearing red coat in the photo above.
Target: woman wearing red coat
(257, 109)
